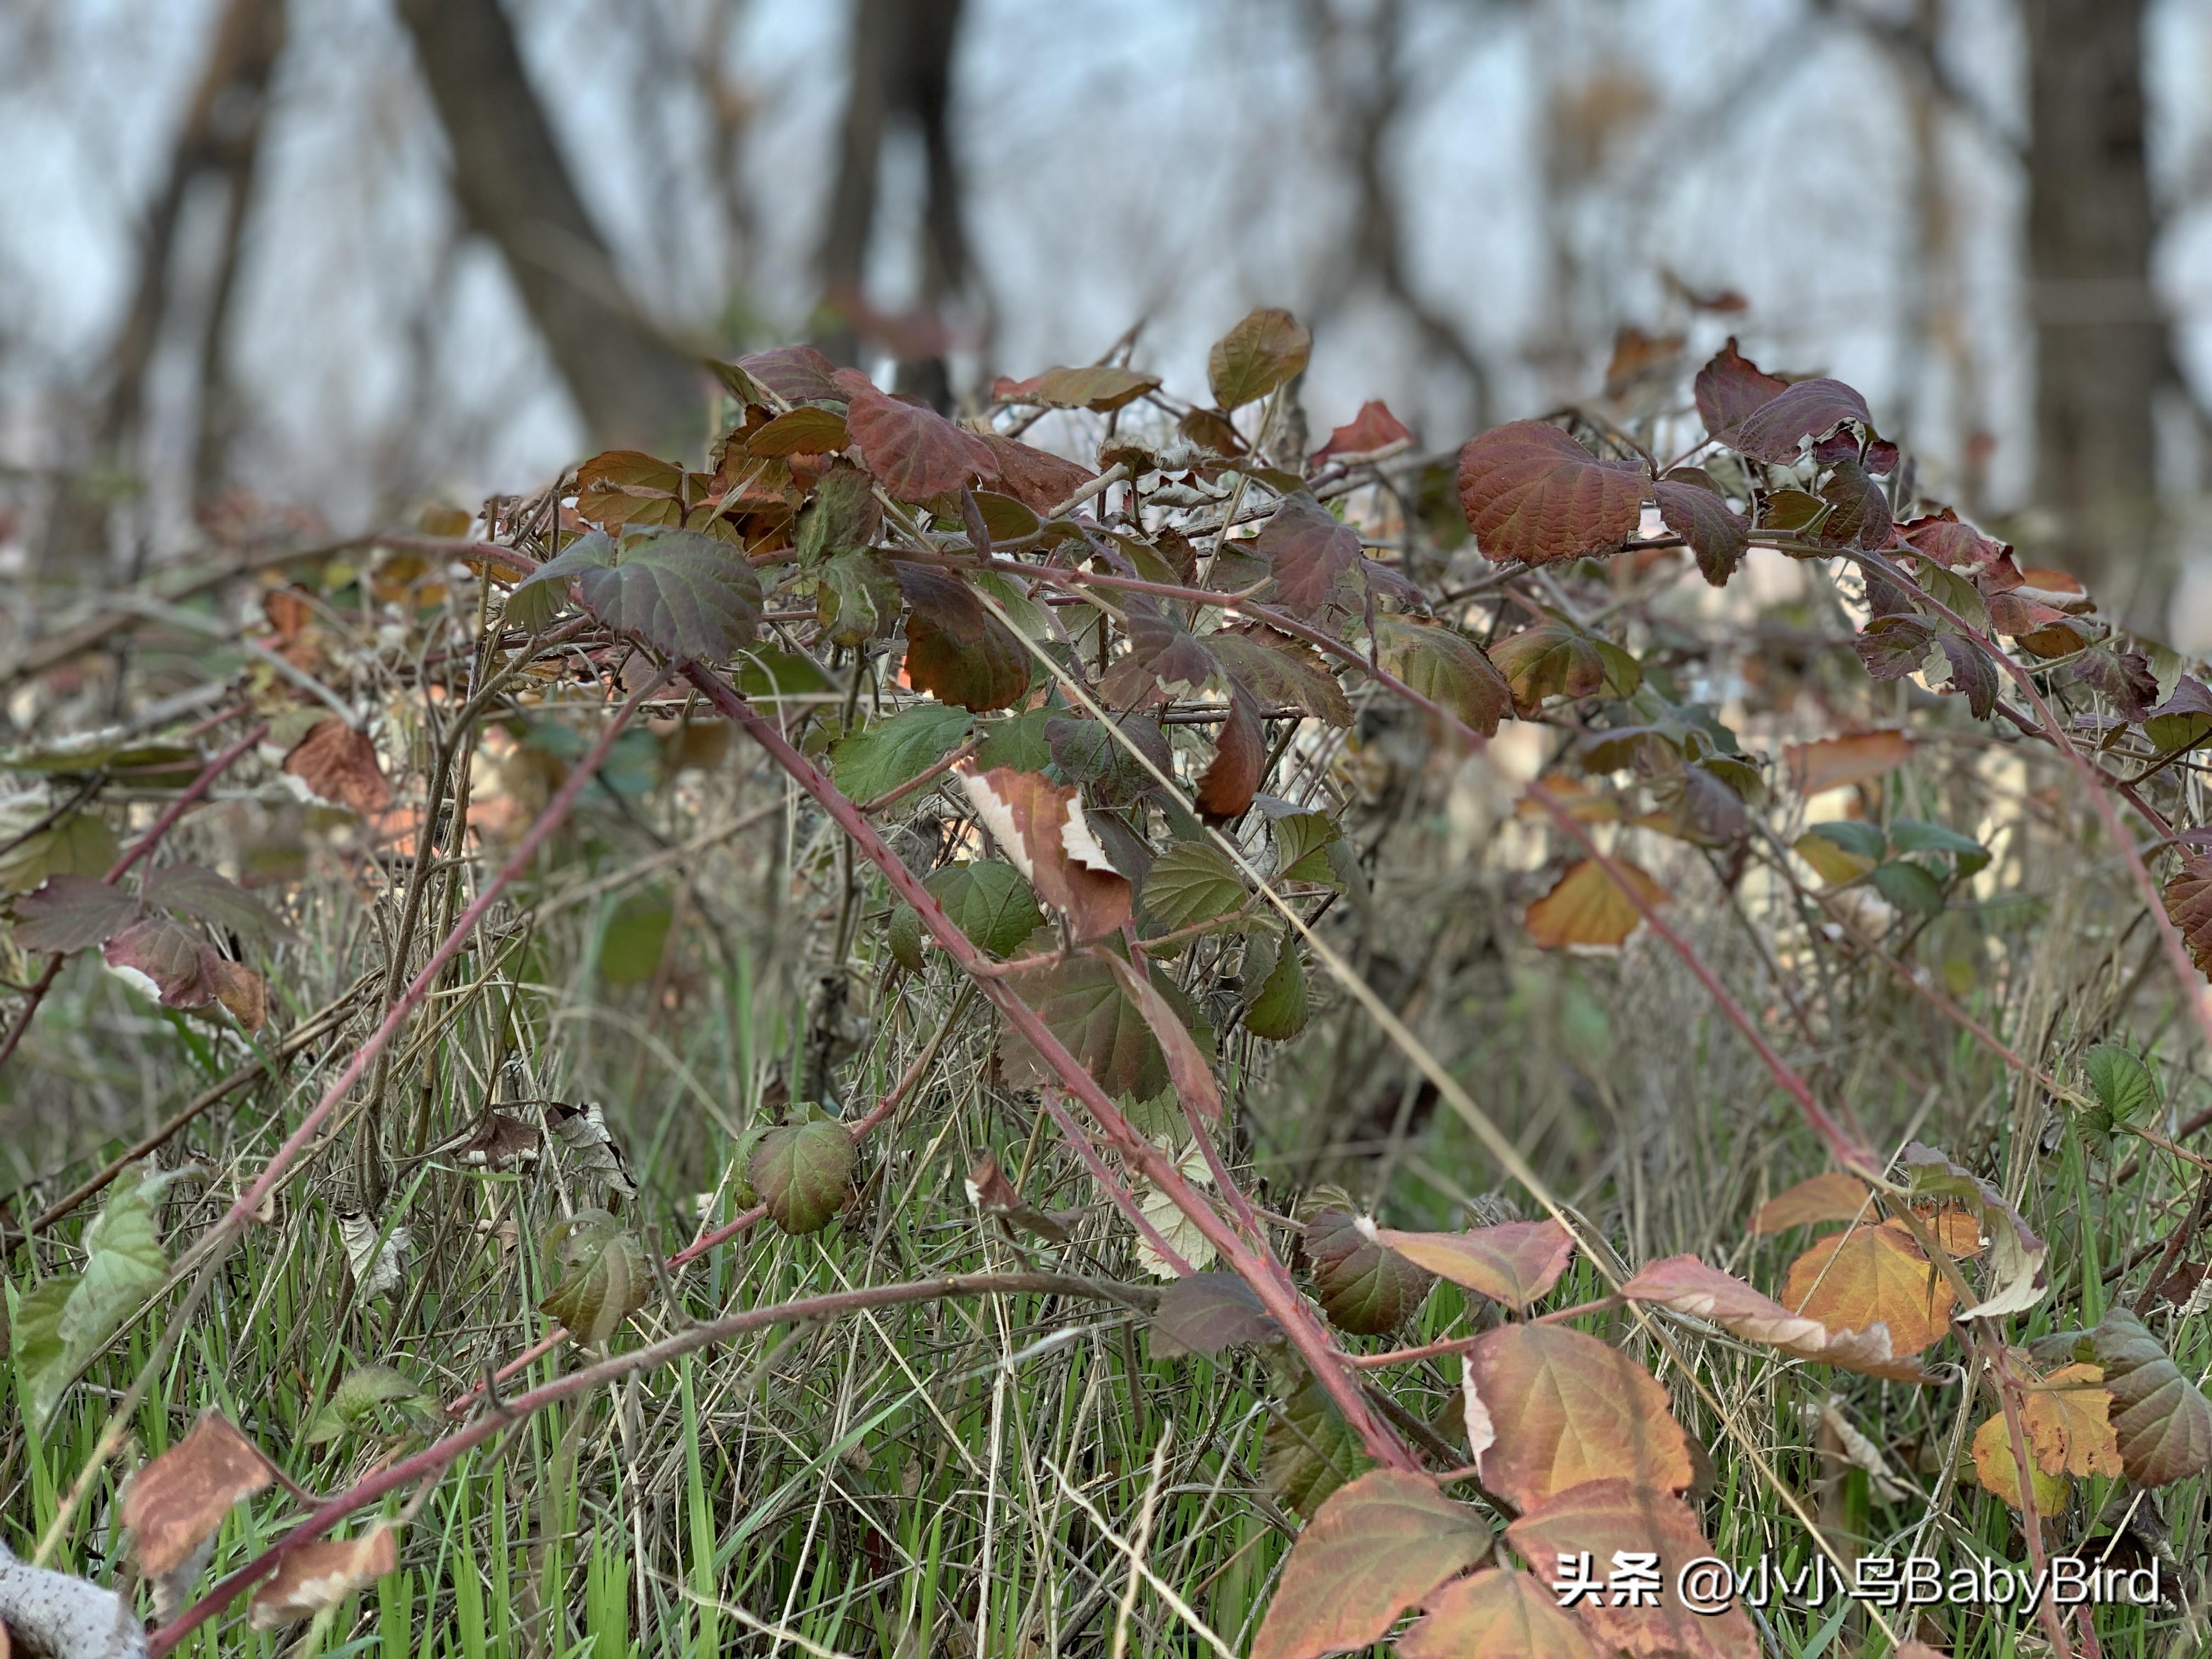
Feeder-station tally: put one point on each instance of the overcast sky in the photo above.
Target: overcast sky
(1156, 159)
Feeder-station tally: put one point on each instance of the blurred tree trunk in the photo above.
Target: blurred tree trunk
(2101, 349)
(900, 70)
(633, 390)
(220, 136)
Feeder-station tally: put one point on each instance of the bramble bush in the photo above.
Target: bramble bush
(1070, 758)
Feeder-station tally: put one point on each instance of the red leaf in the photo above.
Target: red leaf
(1039, 825)
(1371, 434)
(912, 451)
(1240, 759)
(1311, 551)
(1694, 508)
(956, 650)
(1532, 493)
(1513, 1264)
(1776, 430)
(1952, 543)
(1376, 1546)
(72, 913)
(338, 766)
(168, 958)
(796, 373)
(1037, 478)
(1730, 387)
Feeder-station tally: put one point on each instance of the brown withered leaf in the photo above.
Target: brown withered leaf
(1188, 1069)
(497, 1140)
(1549, 1408)
(1514, 1263)
(1205, 1313)
(1832, 1195)
(1102, 387)
(1375, 1548)
(1532, 493)
(72, 912)
(338, 766)
(2187, 896)
(1040, 826)
(1839, 763)
(1586, 909)
(1314, 554)
(1232, 777)
(321, 1575)
(1037, 478)
(177, 1501)
(989, 1191)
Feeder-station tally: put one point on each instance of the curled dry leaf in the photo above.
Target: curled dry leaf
(1532, 493)
(1375, 1548)
(1549, 1408)
(2016, 1280)
(1830, 1196)
(321, 1575)
(1039, 825)
(174, 1506)
(1588, 910)
(1514, 1264)
(1688, 1285)
(1363, 1286)
(1839, 763)
(1496, 1613)
(1869, 1276)
(337, 766)
(1614, 1514)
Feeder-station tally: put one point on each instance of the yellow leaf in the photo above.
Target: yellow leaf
(1833, 1196)
(1870, 1276)
(1998, 1470)
(1588, 910)
(1837, 763)
(2070, 1429)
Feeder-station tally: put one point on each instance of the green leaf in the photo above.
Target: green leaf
(634, 938)
(544, 593)
(841, 518)
(801, 1172)
(356, 1400)
(1018, 741)
(74, 844)
(1086, 751)
(771, 674)
(1301, 840)
(1446, 667)
(605, 1278)
(1908, 887)
(1554, 657)
(1911, 836)
(902, 937)
(1082, 1005)
(1309, 1450)
(1266, 349)
(124, 1265)
(2162, 1419)
(1364, 1288)
(1856, 836)
(2124, 1085)
(1280, 1011)
(856, 598)
(875, 760)
(690, 596)
(989, 902)
(1192, 881)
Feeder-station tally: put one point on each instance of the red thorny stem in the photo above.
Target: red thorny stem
(1276, 1294)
